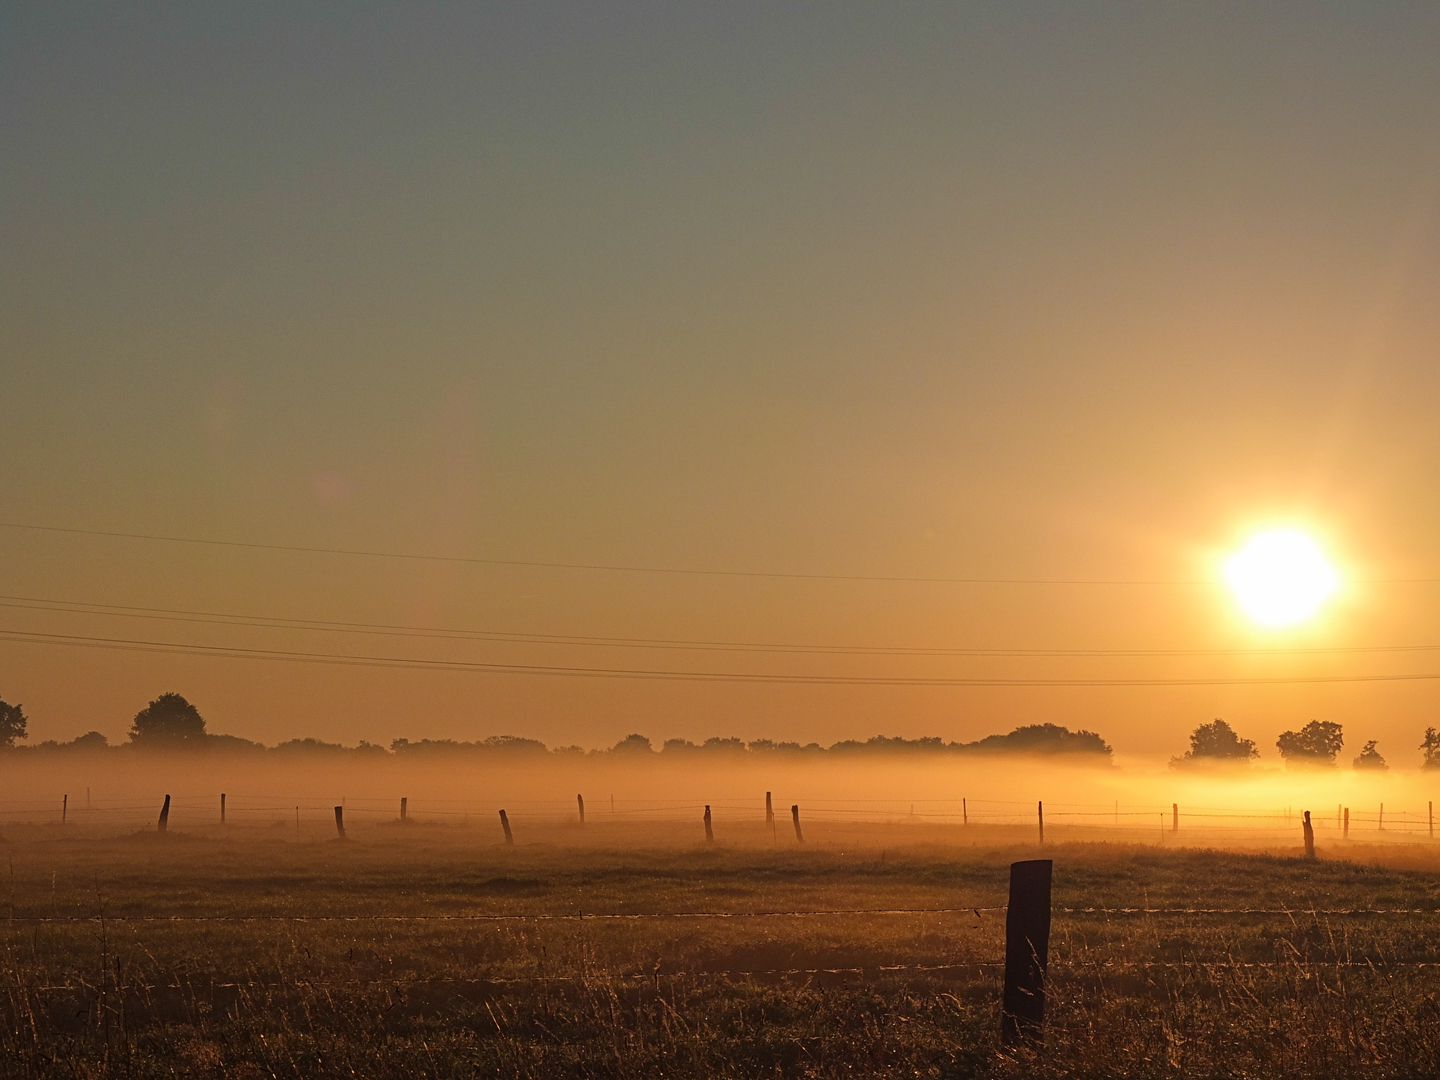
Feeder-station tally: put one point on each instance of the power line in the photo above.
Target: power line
(131, 645)
(615, 568)
(31, 603)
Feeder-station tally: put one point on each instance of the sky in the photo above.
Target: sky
(1067, 293)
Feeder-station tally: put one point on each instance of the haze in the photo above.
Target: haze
(996, 292)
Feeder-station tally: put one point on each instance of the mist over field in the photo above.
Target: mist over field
(919, 794)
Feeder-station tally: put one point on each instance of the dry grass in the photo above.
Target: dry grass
(1131, 995)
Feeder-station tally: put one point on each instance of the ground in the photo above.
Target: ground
(244, 953)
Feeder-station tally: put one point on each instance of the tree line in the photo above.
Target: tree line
(1318, 743)
(170, 722)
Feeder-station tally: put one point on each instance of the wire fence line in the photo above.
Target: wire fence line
(579, 916)
(978, 966)
(203, 810)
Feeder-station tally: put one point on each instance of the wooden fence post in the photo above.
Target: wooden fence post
(580, 802)
(795, 817)
(964, 812)
(1027, 951)
(222, 808)
(505, 824)
(1309, 837)
(164, 815)
(404, 809)
(770, 815)
(1345, 834)
(1174, 817)
(709, 832)
(1040, 814)
(64, 808)
(340, 821)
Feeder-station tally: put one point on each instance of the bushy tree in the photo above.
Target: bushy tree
(1042, 739)
(1217, 741)
(1316, 743)
(169, 720)
(632, 744)
(13, 724)
(1370, 757)
(1431, 747)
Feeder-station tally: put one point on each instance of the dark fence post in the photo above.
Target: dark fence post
(1174, 817)
(795, 817)
(709, 832)
(1027, 951)
(1040, 814)
(770, 815)
(1309, 837)
(1345, 835)
(964, 812)
(340, 821)
(222, 808)
(65, 809)
(505, 824)
(404, 808)
(165, 815)
(580, 802)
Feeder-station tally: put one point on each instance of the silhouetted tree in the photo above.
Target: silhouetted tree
(1431, 746)
(633, 744)
(1041, 739)
(13, 724)
(1217, 741)
(1316, 743)
(169, 720)
(1370, 757)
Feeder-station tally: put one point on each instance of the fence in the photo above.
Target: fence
(1160, 822)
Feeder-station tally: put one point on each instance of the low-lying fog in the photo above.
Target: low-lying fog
(1222, 805)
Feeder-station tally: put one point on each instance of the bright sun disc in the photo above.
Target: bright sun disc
(1281, 577)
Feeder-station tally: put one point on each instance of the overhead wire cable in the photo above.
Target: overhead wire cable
(633, 569)
(351, 660)
(217, 618)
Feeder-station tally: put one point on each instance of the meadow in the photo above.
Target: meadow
(628, 949)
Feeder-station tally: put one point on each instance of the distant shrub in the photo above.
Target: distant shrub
(1370, 758)
(1216, 742)
(1431, 748)
(633, 744)
(1041, 739)
(13, 724)
(168, 721)
(1316, 743)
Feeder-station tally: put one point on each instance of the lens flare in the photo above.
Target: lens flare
(1281, 577)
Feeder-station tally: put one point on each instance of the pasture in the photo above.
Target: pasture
(630, 950)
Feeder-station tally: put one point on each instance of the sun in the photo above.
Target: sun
(1281, 577)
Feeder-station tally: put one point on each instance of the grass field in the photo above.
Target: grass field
(378, 957)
